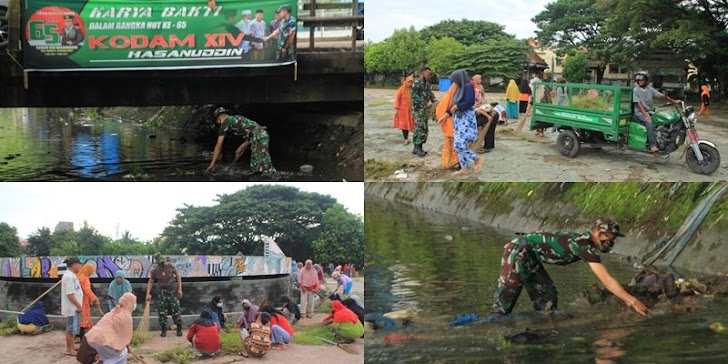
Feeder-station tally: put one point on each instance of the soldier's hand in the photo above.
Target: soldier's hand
(639, 307)
(429, 103)
(149, 297)
(211, 168)
(179, 293)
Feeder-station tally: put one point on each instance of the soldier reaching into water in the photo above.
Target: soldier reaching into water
(256, 137)
(523, 258)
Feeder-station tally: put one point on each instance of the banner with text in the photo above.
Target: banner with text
(157, 34)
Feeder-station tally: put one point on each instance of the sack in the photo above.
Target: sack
(86, 354)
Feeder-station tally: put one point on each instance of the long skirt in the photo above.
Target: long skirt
(449, 155)
(512, 110)
(466, 131)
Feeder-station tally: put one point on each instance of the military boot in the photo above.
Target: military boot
(164, 331)
(418, 150)
(179, 330)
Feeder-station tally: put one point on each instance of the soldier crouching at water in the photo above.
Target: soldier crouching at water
(168, 279)
(523, 258)
(256, 137)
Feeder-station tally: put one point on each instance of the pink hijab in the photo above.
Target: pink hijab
(115, 328)
(308, 277)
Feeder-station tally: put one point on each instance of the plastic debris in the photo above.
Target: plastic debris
(465, 319)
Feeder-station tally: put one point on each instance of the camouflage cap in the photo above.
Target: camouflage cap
(158, 258)
(221, 110)
(607, 225)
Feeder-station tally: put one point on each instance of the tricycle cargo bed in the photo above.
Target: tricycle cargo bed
(599, 108)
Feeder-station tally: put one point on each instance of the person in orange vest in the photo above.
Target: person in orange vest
(705, 100)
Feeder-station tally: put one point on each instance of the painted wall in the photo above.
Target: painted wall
(137, 266)
(15, 295)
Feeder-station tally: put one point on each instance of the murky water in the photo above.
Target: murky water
(413, 266)
(34, 148)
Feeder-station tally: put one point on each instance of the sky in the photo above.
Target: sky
(382, 17)
(144, 209)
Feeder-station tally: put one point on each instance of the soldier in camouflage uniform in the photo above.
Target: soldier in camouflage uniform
(256, 137)
(422, 98)
(168, 279)
(523, 258)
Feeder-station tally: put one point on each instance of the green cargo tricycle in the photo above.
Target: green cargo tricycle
(602, 114)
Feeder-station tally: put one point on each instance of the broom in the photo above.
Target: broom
(143, 329)
(139, 358)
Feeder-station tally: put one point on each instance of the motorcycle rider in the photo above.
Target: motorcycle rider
(642, 97)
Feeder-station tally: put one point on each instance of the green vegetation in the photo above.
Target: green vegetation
(376, 169)
(657, 208)
(179, 355)
(589, 102)
(238, 223)
(138, 338)
(306, 335)
(230, 342)
(8, 327)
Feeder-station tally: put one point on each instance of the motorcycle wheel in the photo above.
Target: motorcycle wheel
(711, 159)
(568, 143)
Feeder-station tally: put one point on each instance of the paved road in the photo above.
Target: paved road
(525, 158)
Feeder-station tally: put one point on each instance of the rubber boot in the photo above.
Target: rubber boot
(418, 150)
(164, 331)
(179, 330)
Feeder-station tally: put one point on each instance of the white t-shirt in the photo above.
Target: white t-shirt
(70, 284)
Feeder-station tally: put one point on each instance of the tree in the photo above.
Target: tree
(406, 51)
(573, 25)
(90, 241)
(376, 57)
(575, 68)
(238, 222)
(40, 242)
(9, 241)
(441, 54)
(493, 58)
(466, 32)
(341, 239)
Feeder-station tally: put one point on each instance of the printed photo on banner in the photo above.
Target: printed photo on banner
(95, 34)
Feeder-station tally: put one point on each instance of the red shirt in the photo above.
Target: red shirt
(206, 338)
(282, 322)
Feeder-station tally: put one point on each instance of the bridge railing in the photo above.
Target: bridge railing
(313, 21)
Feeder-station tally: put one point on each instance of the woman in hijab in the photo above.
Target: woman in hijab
(117, 288)
(464, 124)
(352, 304)
(281, 331)
(524, 89)
(449, 156)
(112, 334)
(705, 101)
(89, 298)
(320, 272)
(33, 320)
(512, 96)
(308, 281)
(292, 307)
(216, 306)
(203, 334)
(403, 118)
(345, 324)
(249, 315)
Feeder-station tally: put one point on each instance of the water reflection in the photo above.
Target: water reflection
(415, 271)
(35, 147)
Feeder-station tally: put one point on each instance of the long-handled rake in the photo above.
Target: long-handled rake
(342, 346)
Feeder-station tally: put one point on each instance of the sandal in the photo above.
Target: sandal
(75, 353)
(406, 142)
(243, 354)
(481, 150)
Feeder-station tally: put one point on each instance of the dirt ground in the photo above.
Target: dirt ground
(524, 157)
(50, 347)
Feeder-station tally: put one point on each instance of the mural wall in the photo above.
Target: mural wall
(138, 266)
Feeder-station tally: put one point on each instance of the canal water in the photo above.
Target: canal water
(439, 267)
(34, 147)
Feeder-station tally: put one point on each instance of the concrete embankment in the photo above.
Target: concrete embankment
(647, 212)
